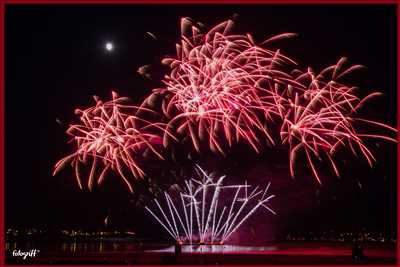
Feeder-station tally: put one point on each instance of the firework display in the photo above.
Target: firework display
(196, 214)
(112, 136)
(216, 87)
(318, 117)
(224, 88)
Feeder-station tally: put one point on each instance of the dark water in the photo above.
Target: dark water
(129, 251)
(83, 246)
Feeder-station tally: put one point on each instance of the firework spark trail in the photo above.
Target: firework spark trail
(183, 233)
(319, 119)
(112, 137)
(224, 88)
(214, 86)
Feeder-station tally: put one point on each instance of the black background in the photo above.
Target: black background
(55, 62)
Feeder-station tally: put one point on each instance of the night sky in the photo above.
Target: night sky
(56, 61)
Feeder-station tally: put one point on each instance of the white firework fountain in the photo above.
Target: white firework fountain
(196, 215)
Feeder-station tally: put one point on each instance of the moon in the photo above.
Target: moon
(109, 46)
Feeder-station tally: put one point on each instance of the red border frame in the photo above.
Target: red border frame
(398, 125)
(2, 133)
(199, 2)
(2, 82)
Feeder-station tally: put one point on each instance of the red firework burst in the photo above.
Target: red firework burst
(110, 137)
(224, 85)
(223, 88)
(216, 86)
(319, 117)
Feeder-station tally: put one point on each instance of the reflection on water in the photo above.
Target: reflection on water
(121, 251)
(100, 246)
(73, 247)
(83, 246)
(128, 245)
(11, 245)
(215, 248)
